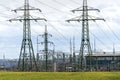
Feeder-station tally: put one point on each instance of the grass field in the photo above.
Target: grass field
(59, 75)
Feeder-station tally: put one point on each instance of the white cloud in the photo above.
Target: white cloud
(56, 15)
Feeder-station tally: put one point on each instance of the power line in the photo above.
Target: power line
(59, 41)
(113, 32)
(99, 40)
(60, 34)
(58, 31)
(5, 7)
(74, 2)
(104, 32)
(96, 36)
(52, 7)
(61, 4)
(55, 28)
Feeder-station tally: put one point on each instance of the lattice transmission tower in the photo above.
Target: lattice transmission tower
(46, 50)
(85, 39)
(27, 61)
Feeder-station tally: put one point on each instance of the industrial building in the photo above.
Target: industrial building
(104, 62)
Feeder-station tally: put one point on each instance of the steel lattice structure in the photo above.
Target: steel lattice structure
(46, 50)
(27, 61)
(85, 39)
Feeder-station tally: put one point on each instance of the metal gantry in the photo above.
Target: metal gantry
(46, 47)
(85, 40)
(46, 50)
(27, 61)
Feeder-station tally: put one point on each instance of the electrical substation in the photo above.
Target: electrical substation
(48, 59)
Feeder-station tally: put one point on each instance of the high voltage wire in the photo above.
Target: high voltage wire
(20, 28)
(104, 32)
(35, 31)
(60, 41)
(52, 7)
(58, 2)
(94, 35)
(5, 7)
(56, 29)
(60, 34)
(99, 40)
(95, 38)
(62, 11)
(77, 30)
(111, 30)
(74, 2)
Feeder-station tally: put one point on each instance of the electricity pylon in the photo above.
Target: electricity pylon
(85, 40)
(46, 50)
(27, 61)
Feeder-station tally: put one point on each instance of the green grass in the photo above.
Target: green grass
(59, 75)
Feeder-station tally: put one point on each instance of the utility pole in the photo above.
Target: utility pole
(113, 48)
(4, 62)
(46, 51)
(74, 57)
(94, 46)
(27, 61)
(114, 57)
(70, 46)
(53, 59)
(85, 40)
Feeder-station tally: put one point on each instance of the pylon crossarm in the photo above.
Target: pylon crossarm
(15, 10)
(89, 9)
(47, 42)
(76, 9)
(47, 34)
(25, 9)
(27, 19)
(85, 19)
(38, 19)
(95, 18)
(86, 10)
(75, 19)
(27, 61)
(93, 9)
(33, 8)
(15, 20)
(30, 8)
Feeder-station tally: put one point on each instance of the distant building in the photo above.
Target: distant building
(8, 64)
(104, 62)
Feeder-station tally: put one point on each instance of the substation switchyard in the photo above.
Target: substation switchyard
(50, 60)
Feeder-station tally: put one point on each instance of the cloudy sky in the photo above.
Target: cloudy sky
(56, 12)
